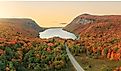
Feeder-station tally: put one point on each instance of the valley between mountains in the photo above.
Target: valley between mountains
(98, 47)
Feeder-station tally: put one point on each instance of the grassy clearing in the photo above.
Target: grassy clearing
(90, 64)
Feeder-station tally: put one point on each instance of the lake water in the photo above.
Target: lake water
(57, 32)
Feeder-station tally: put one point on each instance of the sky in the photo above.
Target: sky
(53, 13)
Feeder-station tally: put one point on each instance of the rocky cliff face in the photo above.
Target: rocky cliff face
(19, 28)
(78, 23)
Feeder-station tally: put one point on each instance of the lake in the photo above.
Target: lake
(56, 32)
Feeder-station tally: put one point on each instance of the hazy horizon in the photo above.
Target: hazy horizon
(51, 14)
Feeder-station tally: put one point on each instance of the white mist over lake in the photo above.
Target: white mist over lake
(56, 32)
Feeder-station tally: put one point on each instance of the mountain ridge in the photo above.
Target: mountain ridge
(76, 24)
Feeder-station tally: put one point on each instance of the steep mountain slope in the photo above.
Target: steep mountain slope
(11, 27)
(85, 22)
(100, 34)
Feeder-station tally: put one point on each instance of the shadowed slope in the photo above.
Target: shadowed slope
(18, 27)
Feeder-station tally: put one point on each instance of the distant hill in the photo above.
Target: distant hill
(16, 27)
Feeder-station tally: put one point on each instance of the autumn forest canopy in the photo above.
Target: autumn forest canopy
(97, 49)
